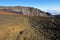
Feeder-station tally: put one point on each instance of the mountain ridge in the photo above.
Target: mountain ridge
(15, 24)
(24, 10)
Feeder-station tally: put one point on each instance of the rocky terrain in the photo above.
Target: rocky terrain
(15, 25)
(24, 10)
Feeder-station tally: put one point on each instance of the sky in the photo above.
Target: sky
(40, 4)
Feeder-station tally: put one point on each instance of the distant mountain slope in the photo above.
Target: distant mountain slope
(56, 16)
(24, 10)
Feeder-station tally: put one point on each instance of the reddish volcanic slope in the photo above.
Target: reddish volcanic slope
(8, 13)
(4, 12)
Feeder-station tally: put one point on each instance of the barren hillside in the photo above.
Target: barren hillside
(15, 26)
